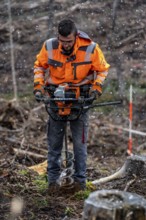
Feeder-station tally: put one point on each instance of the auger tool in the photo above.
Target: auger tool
(66, 103)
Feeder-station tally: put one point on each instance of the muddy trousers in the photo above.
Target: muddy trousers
(79, 130)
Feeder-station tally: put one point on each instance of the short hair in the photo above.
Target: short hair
(66, 27)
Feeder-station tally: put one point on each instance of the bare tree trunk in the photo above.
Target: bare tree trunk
(12, 52)
(118, 59)
(115, 6)
(120, 75)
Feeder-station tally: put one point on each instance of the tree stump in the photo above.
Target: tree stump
(134, 166)
(114, 205)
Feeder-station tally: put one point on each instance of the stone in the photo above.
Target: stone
(114, 205)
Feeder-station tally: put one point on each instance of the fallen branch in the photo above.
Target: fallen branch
(9, 130)
(128, 39)
(125, 129)
(38, 149)
(87, 6)
(25, 152)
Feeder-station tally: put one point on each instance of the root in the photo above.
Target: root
(130, 183)
(134, 165)
(119, 174)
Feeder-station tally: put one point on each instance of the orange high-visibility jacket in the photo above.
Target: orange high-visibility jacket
(86, 59)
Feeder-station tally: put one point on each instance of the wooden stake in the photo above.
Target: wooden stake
(129, 151)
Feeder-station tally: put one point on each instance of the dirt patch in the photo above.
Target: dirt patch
(19, 150)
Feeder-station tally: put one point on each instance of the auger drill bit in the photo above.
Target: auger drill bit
(65, 179)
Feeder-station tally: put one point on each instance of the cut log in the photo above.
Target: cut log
(134, 166)
(113, 205)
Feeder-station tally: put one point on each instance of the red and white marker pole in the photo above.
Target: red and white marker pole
(129, 151)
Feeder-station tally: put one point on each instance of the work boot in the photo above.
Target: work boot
(78, 186)
(53, 189)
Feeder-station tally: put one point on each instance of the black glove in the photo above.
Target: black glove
(95, 94)
(38, 95)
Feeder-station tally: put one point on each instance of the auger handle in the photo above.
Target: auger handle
(119, 102)
(47, 99)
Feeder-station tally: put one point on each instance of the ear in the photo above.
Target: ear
(77, 34)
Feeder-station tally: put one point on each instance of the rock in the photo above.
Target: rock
(114, 205)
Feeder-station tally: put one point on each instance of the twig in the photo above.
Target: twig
(9, 130)
(39, 149)
(130, 183)
(26, 124)
(142, 146)
(128, 39)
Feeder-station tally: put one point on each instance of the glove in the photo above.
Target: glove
(96, 90)
(95, 94)
(38, 95)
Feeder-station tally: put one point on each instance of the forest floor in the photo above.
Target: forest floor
(23, 141)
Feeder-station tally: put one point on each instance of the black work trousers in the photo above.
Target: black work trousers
(79, 130)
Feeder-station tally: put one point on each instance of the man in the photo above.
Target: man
(71, 58)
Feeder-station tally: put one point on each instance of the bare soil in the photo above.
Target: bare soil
(23, 140)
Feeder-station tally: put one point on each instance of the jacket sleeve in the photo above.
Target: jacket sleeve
(100, 66)
(40, 67)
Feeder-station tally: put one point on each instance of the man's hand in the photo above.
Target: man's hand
(96, 90)
(38, 96)
(95, 94)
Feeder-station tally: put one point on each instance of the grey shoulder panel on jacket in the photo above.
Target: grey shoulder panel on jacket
(52, 43)
(82, 34)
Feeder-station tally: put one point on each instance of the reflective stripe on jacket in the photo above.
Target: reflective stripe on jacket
(86, 58)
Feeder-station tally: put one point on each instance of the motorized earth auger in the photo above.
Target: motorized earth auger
(67, 103)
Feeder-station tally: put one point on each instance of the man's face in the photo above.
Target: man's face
(67, 42)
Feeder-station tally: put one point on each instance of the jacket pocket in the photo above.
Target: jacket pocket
(81, 70)
(56, 68)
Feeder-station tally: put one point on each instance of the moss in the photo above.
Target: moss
(23, 172)
(69, 211)
(41, 183)
(40, 202)
(90, 186)
(81, 195)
